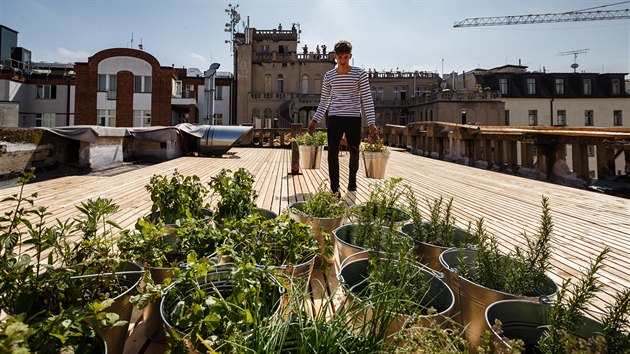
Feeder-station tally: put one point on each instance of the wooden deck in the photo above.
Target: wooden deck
(585, 222)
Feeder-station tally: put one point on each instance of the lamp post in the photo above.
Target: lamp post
(210, 88)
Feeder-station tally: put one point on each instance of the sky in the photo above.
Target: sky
(405, 35)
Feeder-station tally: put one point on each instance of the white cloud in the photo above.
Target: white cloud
(66, 55)
(198, 57)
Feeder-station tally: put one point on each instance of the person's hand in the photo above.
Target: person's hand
(311, 126)
(373, 130)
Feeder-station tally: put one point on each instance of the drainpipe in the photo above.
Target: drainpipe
(551, 111)
(68, 103)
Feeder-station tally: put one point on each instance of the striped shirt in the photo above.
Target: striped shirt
(345, 94)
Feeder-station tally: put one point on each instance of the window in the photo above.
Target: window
(588, 118)
(137, 84)
(617, 120)
(403, 93)
(507, 117)
(561, 117)
(373, 92)
(531, 86)
(280, 81)
(141, 118)
(616, 87)
(304, 84)
(590, 150)
(46, 92)
(284, 49)
(503, 86)
(417, 91)
(587, 86)
(462, 116)
(379, 94)
(218, 93)
(431, 114)
(106, 117)
(267, 83)
(532, 114)
(559, 86)
(147, 84)
(102, 82)
(177, 88)
(45, 120)
(395, 93)
(112, 83)
(265, 49)
(255, 113)
(218, 118)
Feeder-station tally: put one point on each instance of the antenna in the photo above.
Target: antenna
(575, 54)
(141, 46)
(131, 40)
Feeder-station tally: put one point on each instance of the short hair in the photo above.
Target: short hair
(343, 47)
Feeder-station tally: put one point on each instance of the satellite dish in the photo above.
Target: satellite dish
(574, 66)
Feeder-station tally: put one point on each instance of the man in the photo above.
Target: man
(345, 92)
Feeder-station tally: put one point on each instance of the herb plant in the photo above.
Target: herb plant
(322, 204)
(318, 138)
(374, 143)
(236, 194)
(179, 197)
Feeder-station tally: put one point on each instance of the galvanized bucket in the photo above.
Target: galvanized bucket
(428, 253)
(318, 225)
(346, 248)
(375, 164)
(216, 281)
(353, 277)
(527, 320)
(472, 299)
(151, 319)
(310, 156)
(264, 213)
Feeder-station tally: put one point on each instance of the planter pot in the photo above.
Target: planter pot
(375, 164)
(346, 247)
(153, 328)
(428, 253)
(318, 225)
(310, 156)
(393, 217)
(264, 213)
(527, 320)
(472, 299)
(215, 283)
(354, 278)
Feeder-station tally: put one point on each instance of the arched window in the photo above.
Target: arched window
(268, 113)
(317, 83)
(267, 83)
(255, 113)
(304, 84)
(280, 81)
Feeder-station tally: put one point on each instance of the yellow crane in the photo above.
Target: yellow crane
(571, 16)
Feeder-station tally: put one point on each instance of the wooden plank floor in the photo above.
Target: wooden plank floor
(585, 222)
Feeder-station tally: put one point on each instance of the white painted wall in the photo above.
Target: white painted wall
(602, 110)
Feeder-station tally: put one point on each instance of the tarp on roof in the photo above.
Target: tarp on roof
(155, 133)
(87, 133)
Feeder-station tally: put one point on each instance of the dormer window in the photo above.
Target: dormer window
(503, 86)
(531, 86)
(616, 86)
(559, 86)
(588, 86)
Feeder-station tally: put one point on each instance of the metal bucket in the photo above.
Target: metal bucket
(219, 280)
(527, 320)
(375, 164)
(472, 299)
(318, 225)
(310, 156)
(428, 253)
(264, 213)
(151, 319)
(354, 275)
(344, 242)
(394, 217)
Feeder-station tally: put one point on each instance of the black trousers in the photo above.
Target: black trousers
(337, 127)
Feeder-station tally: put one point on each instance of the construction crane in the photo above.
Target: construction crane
(572, 16)
(575, 54)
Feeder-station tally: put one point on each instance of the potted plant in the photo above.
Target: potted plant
(311, 147)
(483, 275)
(438, 233)
(561, 326)
(207, 308)
(237, 196)
(66, 267)
(180, 197)
(397, 289)
(324, 211)
(281, 243)
(375, 156)
(383, 205)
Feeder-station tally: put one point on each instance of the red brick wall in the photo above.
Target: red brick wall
(124, 99)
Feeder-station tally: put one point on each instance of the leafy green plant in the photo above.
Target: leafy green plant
(322, 204)
(318, 138)
(276, 242)
(383, 205)
(236, 194)
(210, 308)
(374, 143)
(180, 197)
